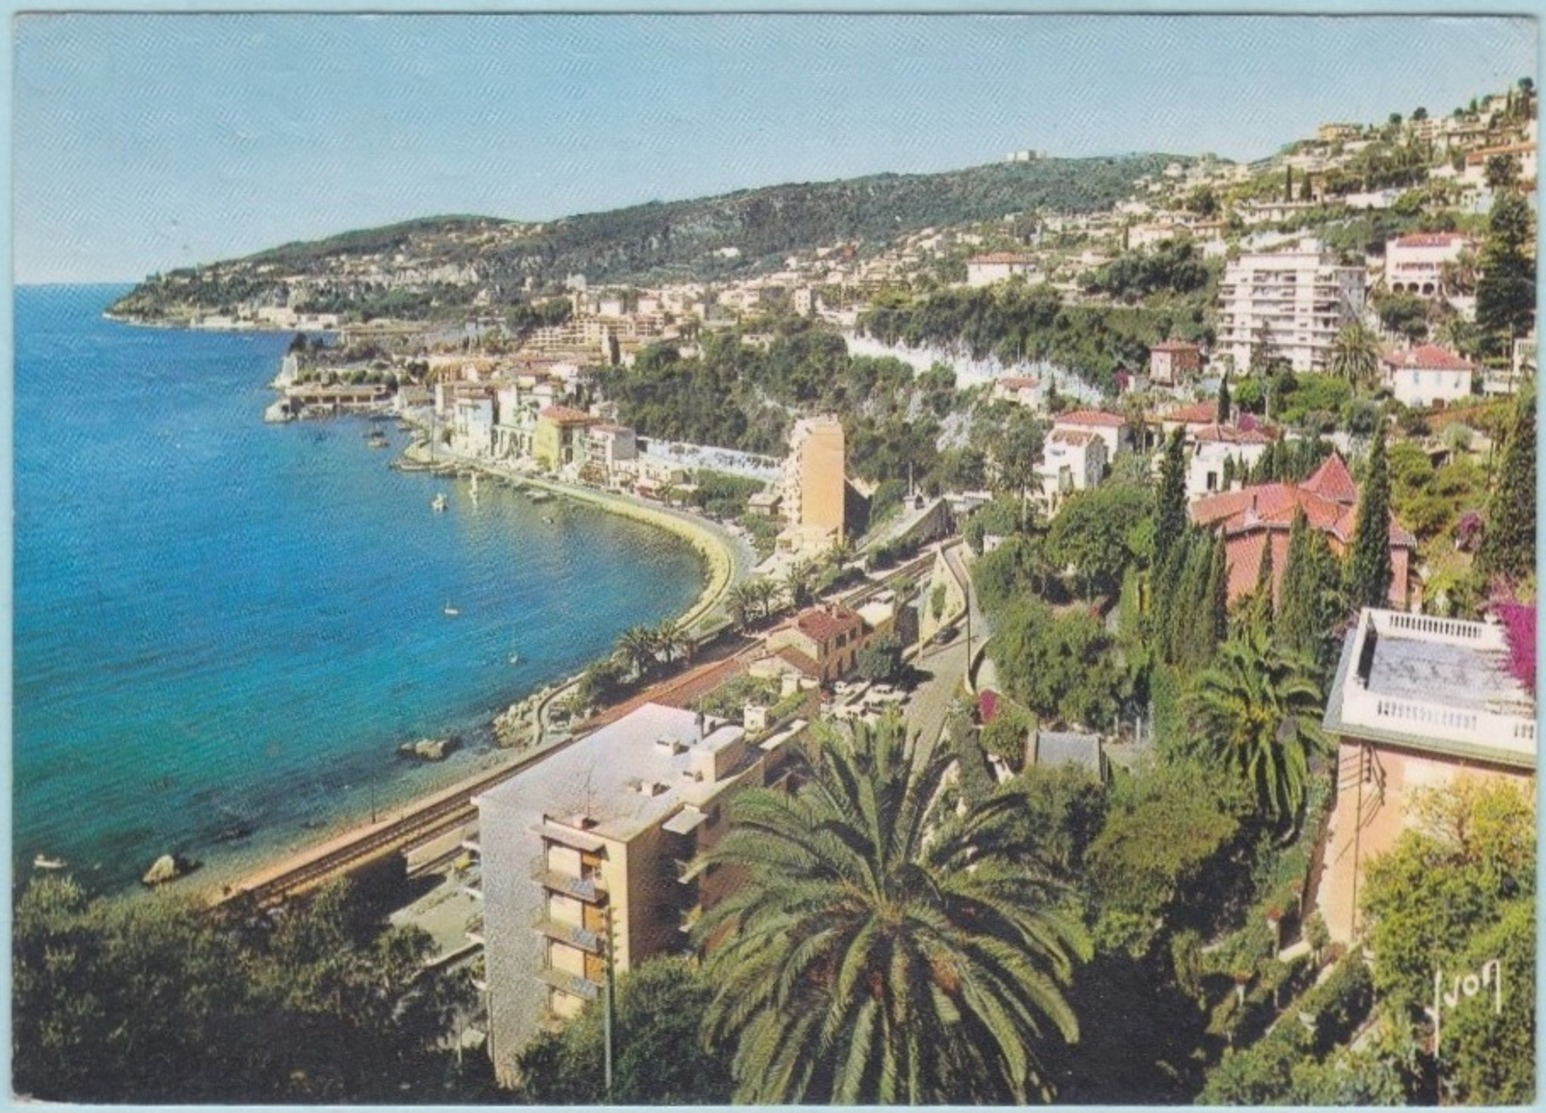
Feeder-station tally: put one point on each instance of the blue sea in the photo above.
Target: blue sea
(221, 623)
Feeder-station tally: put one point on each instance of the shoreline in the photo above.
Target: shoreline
(725, 561)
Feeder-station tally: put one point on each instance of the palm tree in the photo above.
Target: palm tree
(763, 594)
(1259, 710)
(636, 647)
(671, 640)
(1355, 354)
(887, 947)
(741, 602)
(799, 583)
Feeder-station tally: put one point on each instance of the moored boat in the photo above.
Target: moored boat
(44, 862)
(438, 503)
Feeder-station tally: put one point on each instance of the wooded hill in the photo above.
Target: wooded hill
(663, 241)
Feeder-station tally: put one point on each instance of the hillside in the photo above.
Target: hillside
(452, 259)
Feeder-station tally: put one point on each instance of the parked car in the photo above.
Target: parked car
(944, 635)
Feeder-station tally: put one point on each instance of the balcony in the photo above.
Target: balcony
(590, 889)
(572, 934)
(690, 919)
(689, 870)
(564, 981)
(475, 930)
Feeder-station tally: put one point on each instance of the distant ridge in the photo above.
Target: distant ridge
(702, 239)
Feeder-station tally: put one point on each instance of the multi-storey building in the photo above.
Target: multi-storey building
(590, 859)
(1174, 362)
(1295, 301)
(814, 486)
(1426, 374)
(1073, 460)
(1418, 703)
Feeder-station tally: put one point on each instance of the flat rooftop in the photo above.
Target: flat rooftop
(626, 776)
(1434, 684)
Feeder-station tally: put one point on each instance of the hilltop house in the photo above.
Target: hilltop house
(1426, 374)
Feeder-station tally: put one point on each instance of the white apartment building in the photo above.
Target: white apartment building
(1303, 296)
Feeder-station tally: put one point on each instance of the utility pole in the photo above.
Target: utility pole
(606, 1002)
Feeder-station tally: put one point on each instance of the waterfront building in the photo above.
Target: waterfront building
(609, 445)
(558, 439)
(830, 635)
(472, 425)
(1426, 374)
(1298, 300)
(590, 859)
(1252, 518)
(1418, 703)
(815, 488)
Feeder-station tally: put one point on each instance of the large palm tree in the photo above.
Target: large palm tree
(741, 603)
(764, 593)
(886, 946)
(636, 647)
(671, 640)
(1355, 354)
(1259, 710)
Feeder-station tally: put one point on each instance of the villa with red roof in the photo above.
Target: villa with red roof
(1111, 428)
(1252, 518)
(1023, 390)
(1414, 264)
(1426, 374)
(1213, 444)
(830, 636)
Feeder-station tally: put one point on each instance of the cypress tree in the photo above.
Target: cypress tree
(1368, 565)
(1224, 398)
(1296, 612)
(1170, 509)
(1508, 544)
(1216, 594)
(1228, 478)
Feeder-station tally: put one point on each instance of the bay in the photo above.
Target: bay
(223, 624)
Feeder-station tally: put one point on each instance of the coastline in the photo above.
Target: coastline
(726, 561)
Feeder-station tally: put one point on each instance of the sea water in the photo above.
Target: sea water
(222, 625)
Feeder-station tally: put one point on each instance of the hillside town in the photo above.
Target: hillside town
(1149, 591)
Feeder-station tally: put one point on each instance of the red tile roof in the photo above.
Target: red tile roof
(1018, 382)
(565, 415)
(1198, 413)
(825, 623)
(1431, 239)
(1228, 434)
(1332, 481)
(1098, 418)
(1173, 346)
(801, 661)
(1426, 357)
(1251, 514)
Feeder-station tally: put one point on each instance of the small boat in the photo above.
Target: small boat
(548, 518)
(233, 833)
(515, 658)
(438, 503)
(449, 610)
(536, 494)
(377, 439)
(44, 862)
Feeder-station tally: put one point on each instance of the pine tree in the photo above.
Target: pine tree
(1368, 565)
(1224, 399)
(1257, 608)
(1508, 545)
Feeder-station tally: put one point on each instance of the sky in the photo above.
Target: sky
(141, 143)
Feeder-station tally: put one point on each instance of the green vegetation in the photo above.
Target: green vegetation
(1457, 890)
(660, 1059)
(678, 240)
(150, 1002)
(1508, 543)
(1368, 568)
(1505, 292)
(867, 964)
